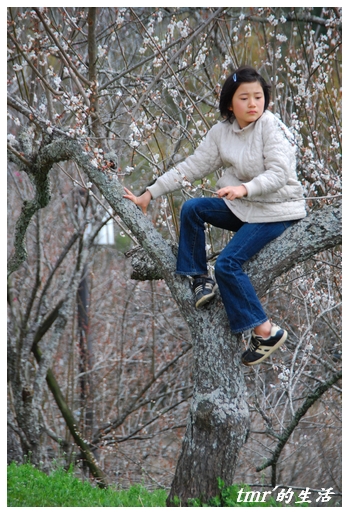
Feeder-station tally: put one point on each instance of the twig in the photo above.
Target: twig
(311, 399)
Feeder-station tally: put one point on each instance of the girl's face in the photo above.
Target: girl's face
(248, 103)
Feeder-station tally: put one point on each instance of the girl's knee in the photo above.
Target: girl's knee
(189, 207)
(226, 265)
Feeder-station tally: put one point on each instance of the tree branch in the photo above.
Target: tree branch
(316, 233)
(92, 66)
(76, 76)
(311, 399)
(35, 70)
(18, 155)
(174, 57)
(72, 424)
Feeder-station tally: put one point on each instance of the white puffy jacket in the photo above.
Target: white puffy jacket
(261, 156)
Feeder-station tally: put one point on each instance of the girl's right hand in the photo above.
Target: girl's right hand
(141, 201)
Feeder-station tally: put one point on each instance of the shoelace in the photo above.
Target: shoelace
(254, 344)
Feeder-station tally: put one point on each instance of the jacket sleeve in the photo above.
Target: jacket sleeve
(279, 154)
(205, 160)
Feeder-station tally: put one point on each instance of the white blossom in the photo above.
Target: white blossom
(101, 51)
(57, 80)
(284, 375)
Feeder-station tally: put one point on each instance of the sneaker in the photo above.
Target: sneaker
(261, 348)
(204, 289)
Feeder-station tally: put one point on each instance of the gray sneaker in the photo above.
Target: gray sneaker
(204, 290)
(261, 348)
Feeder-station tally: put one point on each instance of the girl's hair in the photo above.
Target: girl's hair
(242, 74)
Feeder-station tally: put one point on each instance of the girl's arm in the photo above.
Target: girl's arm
(205, 160)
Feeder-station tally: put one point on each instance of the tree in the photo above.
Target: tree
(76, 96)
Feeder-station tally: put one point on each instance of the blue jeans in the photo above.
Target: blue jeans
(242, 305)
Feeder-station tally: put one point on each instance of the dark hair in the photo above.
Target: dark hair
(242, 74)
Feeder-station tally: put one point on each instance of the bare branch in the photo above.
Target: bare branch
(284, 437)
(174, 57)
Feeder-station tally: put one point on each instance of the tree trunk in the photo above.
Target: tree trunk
(218, 421)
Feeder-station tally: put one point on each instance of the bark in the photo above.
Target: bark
(218, 422)
(318, 232)
(39, 175)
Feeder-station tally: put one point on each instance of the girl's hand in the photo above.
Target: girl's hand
(142, 201)
(232, 192)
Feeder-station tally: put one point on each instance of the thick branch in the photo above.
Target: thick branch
(144, 268)
(41, 199)
(159, 251)
(316, 233)
(39, 176)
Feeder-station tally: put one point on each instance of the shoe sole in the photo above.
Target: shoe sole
(207, 298)
(271, 350)
(204, 300)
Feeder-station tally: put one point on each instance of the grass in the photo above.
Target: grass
(27, 486)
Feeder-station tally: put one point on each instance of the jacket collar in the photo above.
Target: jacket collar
(238, 130)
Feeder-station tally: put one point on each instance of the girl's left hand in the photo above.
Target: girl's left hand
(232, 192)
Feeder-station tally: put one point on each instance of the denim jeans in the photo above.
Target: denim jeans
(242, 305)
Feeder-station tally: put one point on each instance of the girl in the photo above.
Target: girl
(258, 197)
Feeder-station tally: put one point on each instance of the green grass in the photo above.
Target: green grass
(27, 486)
(30, 487)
